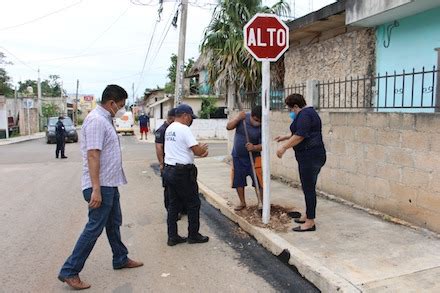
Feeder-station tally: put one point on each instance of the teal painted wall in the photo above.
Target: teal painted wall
(412, 45)
(204, 87)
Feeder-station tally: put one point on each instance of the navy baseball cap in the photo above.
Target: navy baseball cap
(185, 109)
(172, 112)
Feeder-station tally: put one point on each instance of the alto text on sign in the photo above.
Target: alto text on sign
(266, 37)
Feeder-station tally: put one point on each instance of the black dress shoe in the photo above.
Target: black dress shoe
(294, 214)
(198, 239)
(298, 229)
(175, 241)
(64, 157)
(299, 221)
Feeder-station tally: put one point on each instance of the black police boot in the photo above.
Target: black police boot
(198, 239)
(175, 241)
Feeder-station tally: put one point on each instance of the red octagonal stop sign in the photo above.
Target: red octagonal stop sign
(266, 37)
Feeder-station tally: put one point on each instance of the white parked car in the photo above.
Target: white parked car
(125, 123)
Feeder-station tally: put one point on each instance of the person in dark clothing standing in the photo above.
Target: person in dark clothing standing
(180, 176)
(306, 140)
(160, 148)
(144, 123)
(60, 133)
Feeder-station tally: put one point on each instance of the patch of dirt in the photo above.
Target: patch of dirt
(279, 220)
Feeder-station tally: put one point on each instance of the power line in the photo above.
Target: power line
(41, 17)
(97, 38)
(74, 56)
(106, 30)
(146, 56)
(206, 6)
(137, 2)
(18, 59)
(123, 52)
(165, 31)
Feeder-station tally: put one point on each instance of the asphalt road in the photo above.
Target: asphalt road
(42, 214)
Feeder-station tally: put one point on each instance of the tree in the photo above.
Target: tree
(50, 110)
(229, 64)
(5, 86)
(49, 87)
(52, 86)
(23, 85)
(172, 71)
(208, 107)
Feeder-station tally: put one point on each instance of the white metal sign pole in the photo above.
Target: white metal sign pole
(265, 102)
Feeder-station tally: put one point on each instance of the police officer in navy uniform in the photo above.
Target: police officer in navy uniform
(180, 176)
(60, 133)
(160, 147)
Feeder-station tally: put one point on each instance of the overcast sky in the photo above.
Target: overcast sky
(102, 41)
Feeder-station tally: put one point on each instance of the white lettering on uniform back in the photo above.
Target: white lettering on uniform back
(179, 140)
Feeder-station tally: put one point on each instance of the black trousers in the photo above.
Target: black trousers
(309, 169)
(182, 193)
(165, 193)
(60, 146)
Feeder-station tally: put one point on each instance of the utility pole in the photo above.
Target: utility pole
(132, 90)
(64, 110)
(39, 101)
(39, 86)
(76, 103)
(180, 66)
(15, 105)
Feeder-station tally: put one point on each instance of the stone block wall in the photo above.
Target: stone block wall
(340, 64)
(346, 55)
(389, 162)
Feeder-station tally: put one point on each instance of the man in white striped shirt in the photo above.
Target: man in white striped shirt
(102, 174)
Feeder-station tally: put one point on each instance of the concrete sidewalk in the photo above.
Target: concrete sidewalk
(351, 250)
(17, 139)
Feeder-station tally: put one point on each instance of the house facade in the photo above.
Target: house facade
(324, 48)
(407, 51)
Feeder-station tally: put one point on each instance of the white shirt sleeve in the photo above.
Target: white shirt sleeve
(189, 138)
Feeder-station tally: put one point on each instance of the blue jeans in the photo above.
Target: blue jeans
(108, 215)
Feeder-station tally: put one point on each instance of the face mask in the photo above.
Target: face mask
(120, 112)
(292, 115)
(254, 122)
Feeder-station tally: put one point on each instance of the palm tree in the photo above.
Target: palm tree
(229, 64)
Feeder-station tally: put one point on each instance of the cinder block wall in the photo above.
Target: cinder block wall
(389, 162)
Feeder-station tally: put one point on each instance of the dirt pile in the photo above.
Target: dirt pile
(279, 220)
